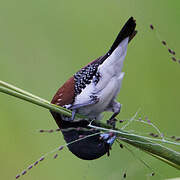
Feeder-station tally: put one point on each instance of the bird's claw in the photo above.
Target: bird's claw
(109, 138)
(112, 122)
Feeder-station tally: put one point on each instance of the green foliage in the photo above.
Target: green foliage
(42, 43)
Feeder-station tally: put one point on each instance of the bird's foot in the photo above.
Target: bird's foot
(109, 138)
(116, 108)
(112, 122)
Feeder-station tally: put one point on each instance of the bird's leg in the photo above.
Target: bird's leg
(116, 108)
(112, 122)
(109, 139)
(74, 108)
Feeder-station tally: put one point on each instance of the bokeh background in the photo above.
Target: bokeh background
(43, 43)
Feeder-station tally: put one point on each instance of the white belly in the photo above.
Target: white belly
(108, 85)
(106, 96)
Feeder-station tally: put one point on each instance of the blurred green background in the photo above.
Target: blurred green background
(43, 43)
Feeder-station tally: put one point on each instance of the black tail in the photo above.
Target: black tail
(127, 31)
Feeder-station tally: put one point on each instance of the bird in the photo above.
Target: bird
(91, 91)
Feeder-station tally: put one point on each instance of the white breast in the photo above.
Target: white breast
(108, 86)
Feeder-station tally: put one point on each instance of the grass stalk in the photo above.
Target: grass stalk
(157, 150)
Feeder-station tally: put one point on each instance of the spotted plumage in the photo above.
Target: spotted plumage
(91, 91)
(84, 77)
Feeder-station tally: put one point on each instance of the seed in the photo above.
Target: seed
(60, 148)
(41, 159)
(173, 52)
(151, 26)
(174, 59)
(151, 134)
(121, 121)
(164, 43)
(124, 175)
(55, 156)
(170, 51)
(17, 176)
(24, 172)
(50, 131)
(121, 145)
(36, 163)
(152, 174)
(30, 167)
(149, 121)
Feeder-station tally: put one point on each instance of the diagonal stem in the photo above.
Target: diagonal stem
(14, 88)
(157, 150)
(38, 102)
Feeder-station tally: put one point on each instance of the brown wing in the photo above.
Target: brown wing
(65, 94)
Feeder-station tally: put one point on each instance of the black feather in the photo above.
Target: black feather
(128, 30)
